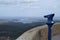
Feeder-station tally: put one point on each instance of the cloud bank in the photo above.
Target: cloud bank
(5, 2)
(33, 8)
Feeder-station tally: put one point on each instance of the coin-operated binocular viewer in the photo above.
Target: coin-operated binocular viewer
(49, 23)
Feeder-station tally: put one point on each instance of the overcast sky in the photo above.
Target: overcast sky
(29, 8)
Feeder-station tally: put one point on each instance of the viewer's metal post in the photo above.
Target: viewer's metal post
(49, 23)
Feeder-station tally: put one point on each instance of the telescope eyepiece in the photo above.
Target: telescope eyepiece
(49, 16)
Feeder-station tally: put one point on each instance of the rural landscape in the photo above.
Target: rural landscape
(29, 19)
(14, 27)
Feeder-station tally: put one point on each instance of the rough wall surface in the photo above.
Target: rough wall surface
(40, 33)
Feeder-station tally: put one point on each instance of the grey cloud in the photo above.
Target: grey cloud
(10, 2)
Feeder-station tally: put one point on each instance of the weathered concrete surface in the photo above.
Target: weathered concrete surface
(40, 33)
(57, 37)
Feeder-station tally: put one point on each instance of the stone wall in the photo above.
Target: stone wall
(55, 31)
(40, 33)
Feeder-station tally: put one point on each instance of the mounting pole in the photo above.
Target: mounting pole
(49, 23)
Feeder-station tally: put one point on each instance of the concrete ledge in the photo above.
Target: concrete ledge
(40, 33)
